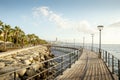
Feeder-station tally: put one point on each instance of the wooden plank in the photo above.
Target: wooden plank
(96, 69)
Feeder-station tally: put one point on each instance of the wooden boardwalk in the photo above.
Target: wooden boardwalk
(88, 67)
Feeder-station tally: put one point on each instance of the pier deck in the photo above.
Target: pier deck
(88, 67)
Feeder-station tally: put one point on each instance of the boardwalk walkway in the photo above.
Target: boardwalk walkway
(88, 67)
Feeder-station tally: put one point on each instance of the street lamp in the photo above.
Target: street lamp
(83, 42)
(74, 45)
(92, 42)
(100, 27)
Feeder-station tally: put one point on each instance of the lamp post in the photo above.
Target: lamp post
(100, 27)
(74, 45)
(92, 42)
(83, 42)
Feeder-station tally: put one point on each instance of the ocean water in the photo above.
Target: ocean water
(113, 49)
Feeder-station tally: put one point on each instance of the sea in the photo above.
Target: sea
(113, 49)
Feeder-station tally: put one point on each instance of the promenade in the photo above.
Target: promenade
(88, 67)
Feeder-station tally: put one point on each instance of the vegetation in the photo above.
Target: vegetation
(17, 37)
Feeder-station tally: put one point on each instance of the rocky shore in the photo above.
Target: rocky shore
(22, 58)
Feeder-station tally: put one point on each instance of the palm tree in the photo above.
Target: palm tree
(5, 29)
(17, 34)
(22, 38)
(1, 23)
(29, 36)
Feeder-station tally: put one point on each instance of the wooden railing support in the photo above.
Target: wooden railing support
(106, 56)
(118, 69)
(112, 64)
(61, 65)
(14, 75)
(69, 60)
(108, 59)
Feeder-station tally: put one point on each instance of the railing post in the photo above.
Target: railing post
(74, 56)
(61, 65)
(70, 60)
(108, 59)
(48, 70)
(14, 75)
(118, 69)
(103, 55)
(106, 56)
(112, 64)
(77, 54)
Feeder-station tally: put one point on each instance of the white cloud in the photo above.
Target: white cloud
(116, 24)
(38, 11)
(82, 26)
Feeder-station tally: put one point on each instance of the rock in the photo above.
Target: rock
(36, 58)
(37, 65)
(2, 77)
(22, 59)
(11, 77)
(47, 57)
(13, 55)
(15, 62)
(42, 57)
(7, 77)
(7, 69)
(21, 72)
(31, 59)
(52, 55)
(27, 62)
(30, 72)
(2, 65)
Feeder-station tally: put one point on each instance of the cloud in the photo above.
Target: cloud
(60, 21)
(51, 16)
(84, 26)
(37, 11)
(116, 24)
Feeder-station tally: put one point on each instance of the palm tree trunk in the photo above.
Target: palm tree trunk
(5, 40)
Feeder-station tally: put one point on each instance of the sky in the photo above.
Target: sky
(66, 20)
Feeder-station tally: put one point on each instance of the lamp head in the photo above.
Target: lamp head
(100, 27)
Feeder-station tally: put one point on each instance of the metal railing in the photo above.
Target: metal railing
(112, 63)
(51, 68)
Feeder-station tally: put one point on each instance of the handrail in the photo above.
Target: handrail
(63, 62)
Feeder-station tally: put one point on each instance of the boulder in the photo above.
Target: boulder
(42, 57)
(36, 58)
(7, 69)
(27, 62)
(21, 72)
(2, 65)
(15, 62)
(13, 56)
(3, 77)
(11, 77)
(30, 72)
(37, 65)
(31, 59)
(6, 77)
